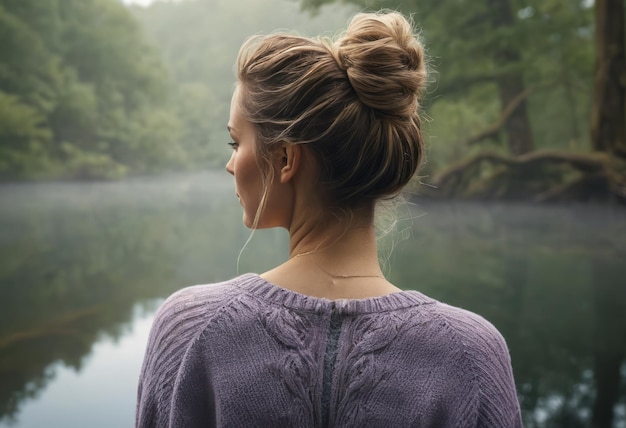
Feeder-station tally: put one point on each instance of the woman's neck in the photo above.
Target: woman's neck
(342, 234)
(333, 259)
(357, 242)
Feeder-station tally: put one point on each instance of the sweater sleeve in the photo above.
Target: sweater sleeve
(179, 320)
(492, 371)
(193, 398)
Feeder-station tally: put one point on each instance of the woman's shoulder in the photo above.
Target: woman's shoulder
(467, 330)
(473, 356)
(466, 322)
(178, 322)
(477, 347)
(445, 332)
(197, 301)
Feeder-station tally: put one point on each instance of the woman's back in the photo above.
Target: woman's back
(248, 353)
(321, 131)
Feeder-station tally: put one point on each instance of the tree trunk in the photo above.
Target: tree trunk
(510, 85)
(518, 130)
(608, 129)
(609, 334)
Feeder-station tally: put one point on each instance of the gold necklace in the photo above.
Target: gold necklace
(351, 276)
(304, 253)
(334, 276)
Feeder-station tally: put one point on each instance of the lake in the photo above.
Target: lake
(83, 267)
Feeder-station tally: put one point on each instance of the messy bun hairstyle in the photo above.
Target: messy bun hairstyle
(353, 100)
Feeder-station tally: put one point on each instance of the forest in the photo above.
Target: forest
(526, 99)
(101, 101)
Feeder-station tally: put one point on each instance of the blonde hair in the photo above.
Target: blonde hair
(353, 100)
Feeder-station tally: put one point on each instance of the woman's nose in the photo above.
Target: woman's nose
(229, 165)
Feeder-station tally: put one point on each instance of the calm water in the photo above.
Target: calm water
(84, 266)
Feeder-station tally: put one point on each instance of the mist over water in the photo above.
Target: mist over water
(83, 267)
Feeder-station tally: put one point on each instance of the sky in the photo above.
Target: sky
(140, 2)
(143, 2)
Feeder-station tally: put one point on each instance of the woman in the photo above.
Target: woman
(322, 130)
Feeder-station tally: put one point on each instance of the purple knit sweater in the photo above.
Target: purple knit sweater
(246, 353)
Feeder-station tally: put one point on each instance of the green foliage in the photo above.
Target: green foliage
(23, 138)
(82, 75)
(27, 68)
(558, 54)
(86, 165)
(154, 137)
(454, 120)
(89, 72)
(20, 124)
(108, 105)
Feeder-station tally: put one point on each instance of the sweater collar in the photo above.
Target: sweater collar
(254, 284)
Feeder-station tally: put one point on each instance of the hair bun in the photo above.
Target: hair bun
(384, 62)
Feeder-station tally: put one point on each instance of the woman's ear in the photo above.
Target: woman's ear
(290, 157)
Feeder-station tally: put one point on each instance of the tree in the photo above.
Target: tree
(511, 83)
(527, 52)
(84, 68)
(608, 123)
(557, 176)
(22, 130)
(608, 134)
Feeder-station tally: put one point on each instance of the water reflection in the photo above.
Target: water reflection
(75, 258)
(552, 280)
(99, 395)
(78, 260)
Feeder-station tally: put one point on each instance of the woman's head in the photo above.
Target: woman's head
(353, 102)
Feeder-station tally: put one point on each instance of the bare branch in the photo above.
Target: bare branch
(492, 131)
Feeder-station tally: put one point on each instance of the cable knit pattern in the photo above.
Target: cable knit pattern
(246, 353)
(297, 365)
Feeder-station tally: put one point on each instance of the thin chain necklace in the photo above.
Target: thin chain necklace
(304, 253)
(334, 276)
(350, 276)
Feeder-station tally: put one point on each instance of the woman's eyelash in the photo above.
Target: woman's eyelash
(232, 144)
